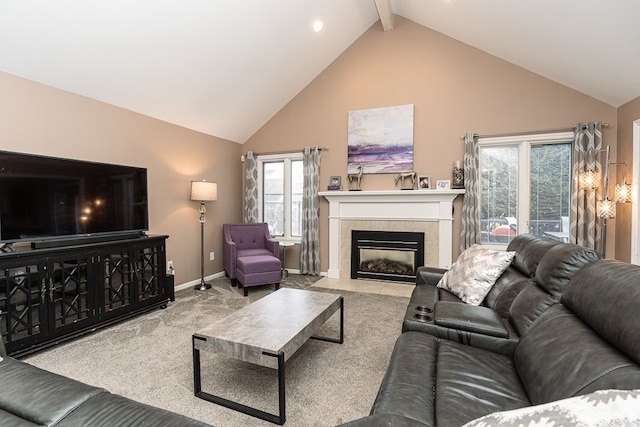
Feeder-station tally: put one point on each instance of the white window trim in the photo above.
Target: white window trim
(267, 158)
(524, 144)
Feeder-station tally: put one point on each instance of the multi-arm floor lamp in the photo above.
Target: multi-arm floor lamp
(203, 191)
(606, 208)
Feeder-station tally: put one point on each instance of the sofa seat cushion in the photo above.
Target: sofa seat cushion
(110, 410)
(440, 382)
(472, 382)
(474, 272)
(38, 396)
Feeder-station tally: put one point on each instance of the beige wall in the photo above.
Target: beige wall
(41, 120)
(455, 89)
(627, 114)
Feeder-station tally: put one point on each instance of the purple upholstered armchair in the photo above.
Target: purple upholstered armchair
(241, 240)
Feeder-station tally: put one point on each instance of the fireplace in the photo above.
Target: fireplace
(386, 255)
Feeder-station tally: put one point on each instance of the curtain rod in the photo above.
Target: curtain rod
(534, 132)
(286, 152)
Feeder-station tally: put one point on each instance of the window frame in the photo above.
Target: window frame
(287, 159)
(524, 143)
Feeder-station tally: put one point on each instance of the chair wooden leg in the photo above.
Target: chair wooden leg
(246, 291)
(234, 282)
(277, 286)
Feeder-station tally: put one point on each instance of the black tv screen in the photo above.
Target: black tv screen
(45, 197)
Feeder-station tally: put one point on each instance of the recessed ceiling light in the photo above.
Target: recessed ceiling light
(317, 25)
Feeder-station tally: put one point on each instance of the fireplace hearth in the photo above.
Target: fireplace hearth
(386, 255)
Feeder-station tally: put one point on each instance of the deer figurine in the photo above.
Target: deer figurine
(402, 176)
(355, 177)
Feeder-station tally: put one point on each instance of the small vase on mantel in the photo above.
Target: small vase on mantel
(457, 180)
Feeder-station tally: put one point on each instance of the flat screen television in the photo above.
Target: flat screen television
(51, 198)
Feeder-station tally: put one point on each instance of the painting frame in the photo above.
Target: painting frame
(380, 140)
(424, 182)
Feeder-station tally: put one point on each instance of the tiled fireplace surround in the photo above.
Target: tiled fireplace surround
(427, 211)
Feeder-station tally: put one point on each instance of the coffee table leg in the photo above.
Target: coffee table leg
(279, 419)
(197, 385)
(335, 340)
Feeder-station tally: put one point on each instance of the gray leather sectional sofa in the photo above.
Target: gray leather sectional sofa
(578, 331)
(30, 396)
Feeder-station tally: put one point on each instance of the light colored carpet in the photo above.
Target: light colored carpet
(149, 359)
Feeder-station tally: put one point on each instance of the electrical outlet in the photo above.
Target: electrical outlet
(212, 256)
(170, 269)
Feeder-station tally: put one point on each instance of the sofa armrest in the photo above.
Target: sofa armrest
(470, 318)
(429, 275)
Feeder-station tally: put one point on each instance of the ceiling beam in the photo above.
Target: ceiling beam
(385, 13)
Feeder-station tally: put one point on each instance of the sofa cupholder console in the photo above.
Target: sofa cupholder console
(424, 314)
(423, 317)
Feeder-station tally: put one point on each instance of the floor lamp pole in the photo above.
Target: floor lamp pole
(203, 286)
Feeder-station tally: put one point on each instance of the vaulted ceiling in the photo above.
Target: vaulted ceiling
(225, 67)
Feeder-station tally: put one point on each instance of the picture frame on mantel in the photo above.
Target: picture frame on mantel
(424, 182)
(335, 183)
(443, 184)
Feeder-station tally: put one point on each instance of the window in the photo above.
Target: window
(280, 180)
(525, 185)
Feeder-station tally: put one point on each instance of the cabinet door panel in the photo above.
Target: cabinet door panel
(117, 275)
(70, 297)
(22, 304)
(149, 273)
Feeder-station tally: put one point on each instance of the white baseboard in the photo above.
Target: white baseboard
(193, 283)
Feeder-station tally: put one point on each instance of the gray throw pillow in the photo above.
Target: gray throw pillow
(475, 271)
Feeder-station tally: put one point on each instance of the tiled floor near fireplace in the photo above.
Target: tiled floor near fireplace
(368, 286)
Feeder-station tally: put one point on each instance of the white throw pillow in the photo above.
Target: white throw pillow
(474, 273)
(599, 409)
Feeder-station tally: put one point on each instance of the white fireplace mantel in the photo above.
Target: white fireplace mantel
(391, 205)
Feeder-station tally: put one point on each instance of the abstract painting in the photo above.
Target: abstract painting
(381, 140)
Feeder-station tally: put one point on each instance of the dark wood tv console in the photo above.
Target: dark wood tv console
(55, 294)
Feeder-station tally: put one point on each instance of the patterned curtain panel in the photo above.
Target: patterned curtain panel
(585, 228)
(310, 248)
(251, 189)
(470, 232)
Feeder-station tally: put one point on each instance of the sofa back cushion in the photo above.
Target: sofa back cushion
(556, 268)
(606, 296)
(529, 250)
(590, 341)
(561, 357)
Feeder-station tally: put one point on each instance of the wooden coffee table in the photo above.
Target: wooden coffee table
(267, 333)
